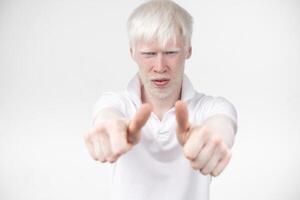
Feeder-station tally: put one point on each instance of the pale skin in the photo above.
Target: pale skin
(206, 145)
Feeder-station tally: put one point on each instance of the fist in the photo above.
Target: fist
(204, 146)
(111, 138)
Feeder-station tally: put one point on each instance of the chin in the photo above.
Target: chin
(161, 93)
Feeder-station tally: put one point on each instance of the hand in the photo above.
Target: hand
(202, 145)
(108, 140)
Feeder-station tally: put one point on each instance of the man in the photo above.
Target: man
(165, 140)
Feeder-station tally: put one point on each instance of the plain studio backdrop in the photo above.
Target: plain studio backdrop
(57, 57)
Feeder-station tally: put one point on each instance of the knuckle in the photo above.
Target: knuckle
(189, 154)
(95, 158)
(119, 151)
(195, 165)
(98, 156)
(204, 171)
(112, 158)
(102, 160)
(216, 140)
(215, 174)
(228, 155)
(201, 163)
(223, 152)
(99, 132)
(88, 135)
(115, 154)
(98, 128)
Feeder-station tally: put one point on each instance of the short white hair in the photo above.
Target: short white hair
(159, 20)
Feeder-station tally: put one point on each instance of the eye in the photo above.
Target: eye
(171, 52)
(148, 54)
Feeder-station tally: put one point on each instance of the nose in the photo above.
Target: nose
(160, 64)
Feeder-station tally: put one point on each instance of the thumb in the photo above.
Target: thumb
(182, 119)
(138, 121)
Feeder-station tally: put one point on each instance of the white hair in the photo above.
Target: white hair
(160, 20)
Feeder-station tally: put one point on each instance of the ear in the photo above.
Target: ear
(189, 53)
(132, 53)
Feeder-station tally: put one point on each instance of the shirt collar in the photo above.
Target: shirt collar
(134, 89)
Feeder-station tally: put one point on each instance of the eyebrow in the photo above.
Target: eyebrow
(165, 50)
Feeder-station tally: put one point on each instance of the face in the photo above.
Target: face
(161, 68)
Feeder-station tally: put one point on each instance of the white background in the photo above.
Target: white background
(57, 57)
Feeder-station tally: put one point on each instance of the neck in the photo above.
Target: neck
(160, 106)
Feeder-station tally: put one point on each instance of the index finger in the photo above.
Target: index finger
(140, 119)
(182, 117)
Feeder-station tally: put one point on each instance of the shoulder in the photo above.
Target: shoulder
(206, 106)
(205, 100)
(109, 100)
(118, 100)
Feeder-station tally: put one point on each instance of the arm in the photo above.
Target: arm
(224, 126)
(107, 114)
(206, 145)
(112, 135)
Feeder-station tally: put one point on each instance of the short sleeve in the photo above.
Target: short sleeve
(108, 100)
(210, 106)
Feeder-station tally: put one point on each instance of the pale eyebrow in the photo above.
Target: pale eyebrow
(172, 50)
(147, 50)
(165, 50)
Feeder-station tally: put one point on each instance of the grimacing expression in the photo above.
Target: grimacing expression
(161, 68)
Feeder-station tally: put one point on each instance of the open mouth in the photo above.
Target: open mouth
(160, 82)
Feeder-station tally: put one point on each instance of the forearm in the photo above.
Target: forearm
(224, 126)
(106, 114)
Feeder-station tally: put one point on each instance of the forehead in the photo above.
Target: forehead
(154, 44)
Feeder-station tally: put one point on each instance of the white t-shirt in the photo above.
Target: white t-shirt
(155, 168)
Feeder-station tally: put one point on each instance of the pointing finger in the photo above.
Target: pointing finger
(182, 119)
(138, 121)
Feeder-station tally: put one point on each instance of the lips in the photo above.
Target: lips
(160, 82)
